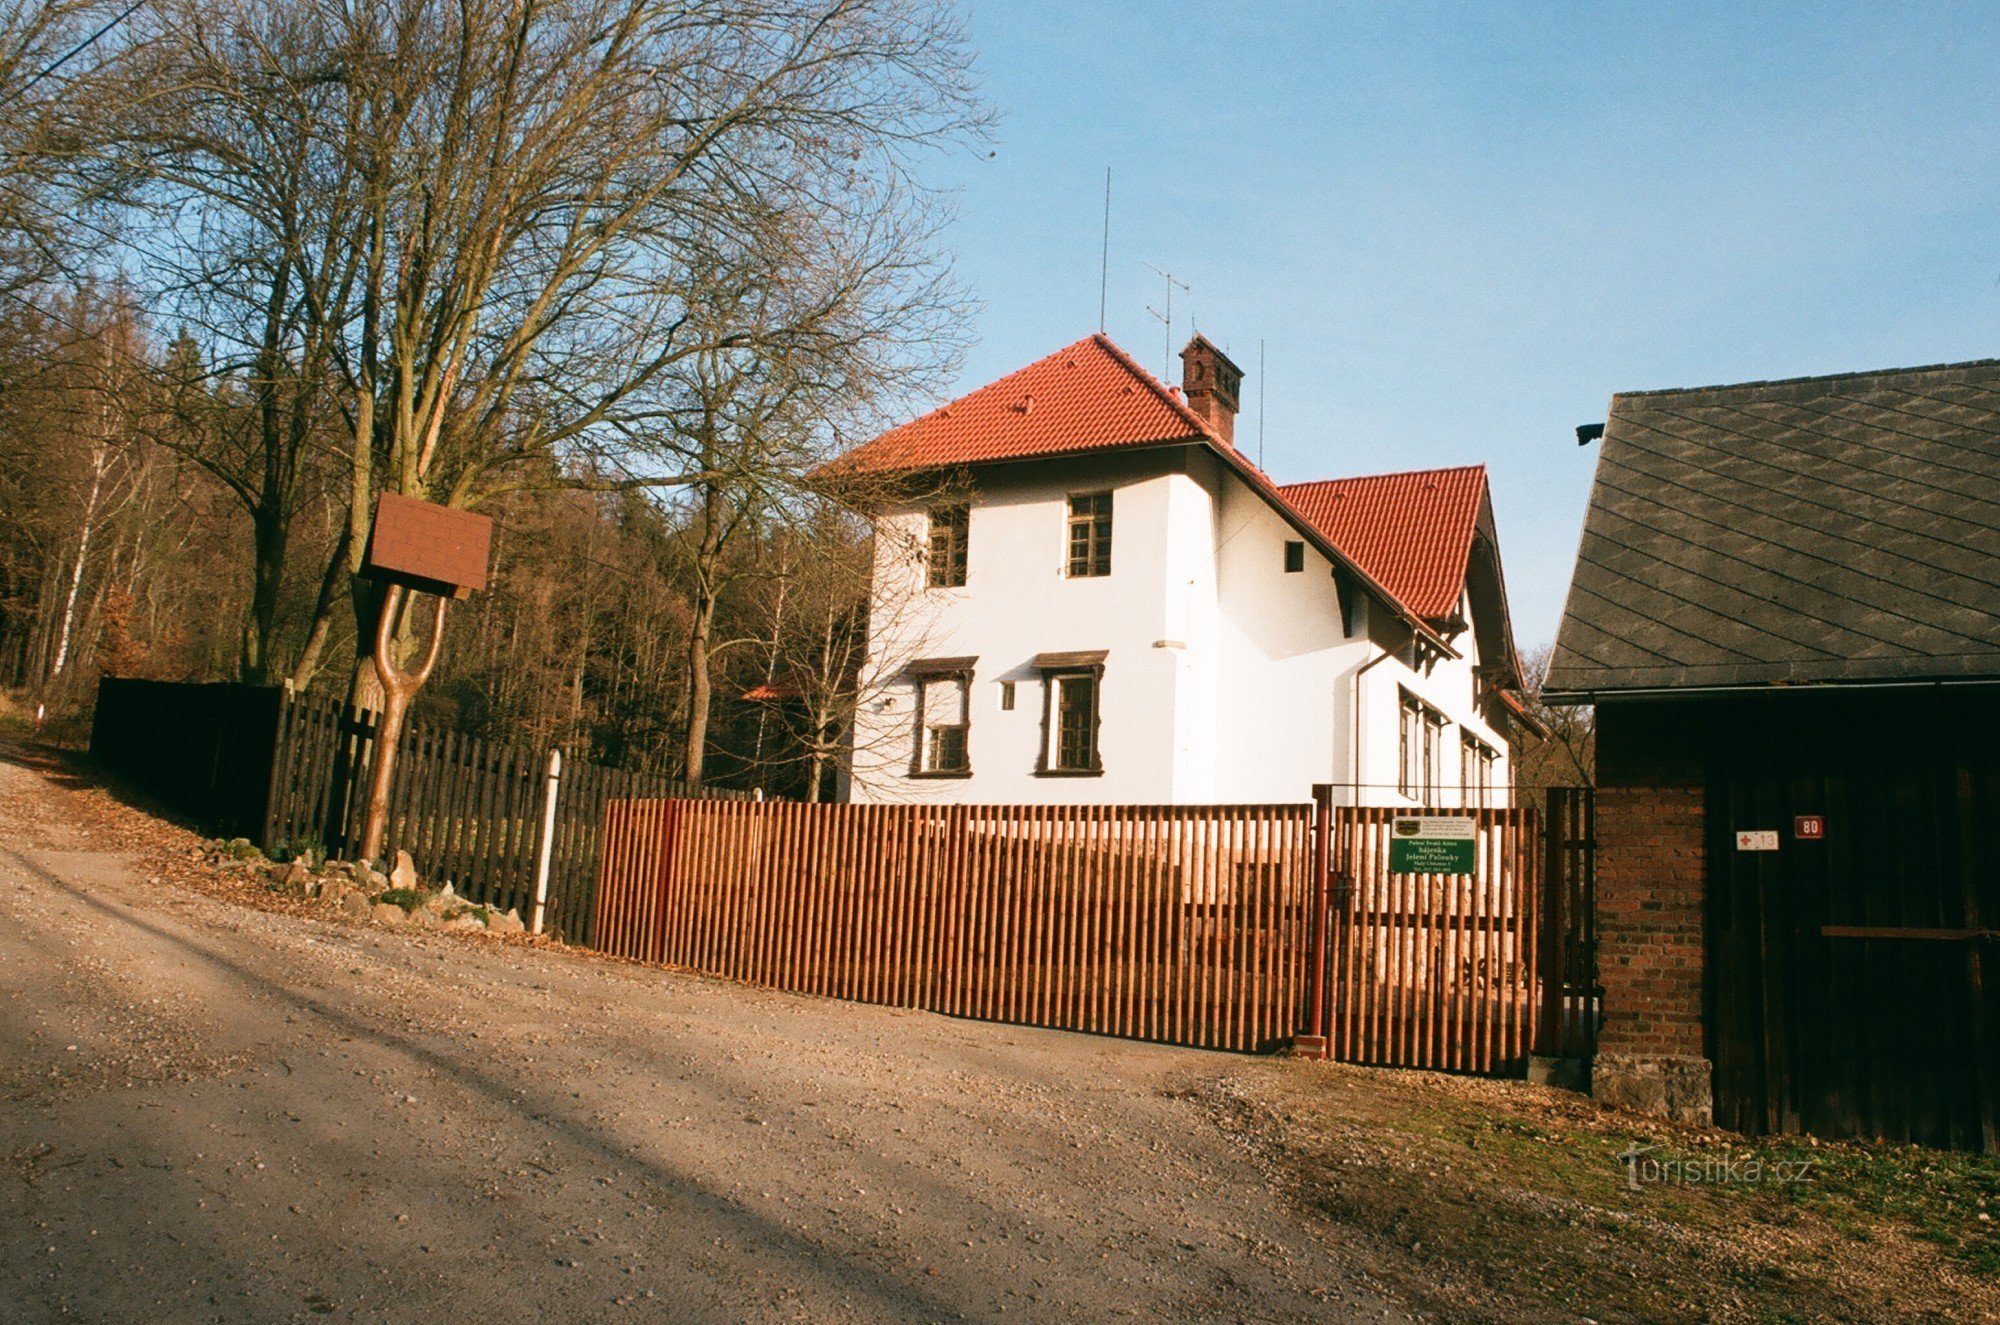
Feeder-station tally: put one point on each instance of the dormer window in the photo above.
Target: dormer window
(945, 566)
(1089, 534)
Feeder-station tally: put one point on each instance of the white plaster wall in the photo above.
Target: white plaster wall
(1227, 680)
(1281, 656)
(1018, 602)
(1446, 686)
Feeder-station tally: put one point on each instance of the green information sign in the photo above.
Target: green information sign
(1431, 844)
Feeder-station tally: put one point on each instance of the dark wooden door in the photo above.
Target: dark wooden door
(1852, 980)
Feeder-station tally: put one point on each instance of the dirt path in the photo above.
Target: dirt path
(210, 1112)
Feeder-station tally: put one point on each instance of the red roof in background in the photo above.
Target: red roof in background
(1087, 397)
(1411, 532)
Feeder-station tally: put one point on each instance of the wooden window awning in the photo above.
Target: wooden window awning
(1076, 659)
(942, 666)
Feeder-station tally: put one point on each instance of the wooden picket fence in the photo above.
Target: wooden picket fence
(1224, 926)
(1176, 923)
(470, 812)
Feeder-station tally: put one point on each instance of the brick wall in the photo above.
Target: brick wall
(1651, 904)
(1649, 919)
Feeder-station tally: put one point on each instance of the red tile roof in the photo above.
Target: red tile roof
(1089, 396)
(1411, 532)
(1407, 535)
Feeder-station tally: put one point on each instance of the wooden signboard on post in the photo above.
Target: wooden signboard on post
(430, 548)
(413, 547)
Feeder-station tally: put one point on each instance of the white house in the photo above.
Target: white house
(1085, 593)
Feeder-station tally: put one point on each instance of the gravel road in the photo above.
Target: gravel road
(215, 1113)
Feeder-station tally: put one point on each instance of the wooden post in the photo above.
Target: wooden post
(398, 688)
(1551, 966)
(1314, 1040)
(544, 847)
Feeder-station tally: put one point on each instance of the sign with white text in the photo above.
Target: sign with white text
(1432, 844)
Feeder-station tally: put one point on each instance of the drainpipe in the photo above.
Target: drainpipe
(1355, 710)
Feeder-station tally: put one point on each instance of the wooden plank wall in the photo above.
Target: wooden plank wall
(1571, 1001)
(468, 811)
(1851, 986)
(1433, 970)
(1183, 924)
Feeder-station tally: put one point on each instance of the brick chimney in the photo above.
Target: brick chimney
(1213, 385)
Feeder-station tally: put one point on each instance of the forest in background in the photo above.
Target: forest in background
(618, 273)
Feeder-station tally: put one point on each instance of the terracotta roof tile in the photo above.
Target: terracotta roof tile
(1089, 396)
(1092, 396)
(1411, 532)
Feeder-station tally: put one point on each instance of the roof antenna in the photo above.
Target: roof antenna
(1260, 402)
(1104, 262)
(1168, 316)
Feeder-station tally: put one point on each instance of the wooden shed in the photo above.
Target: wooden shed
(1786, 610)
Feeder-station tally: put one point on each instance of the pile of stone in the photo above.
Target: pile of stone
(358, 889)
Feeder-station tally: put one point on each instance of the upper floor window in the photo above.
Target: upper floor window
(1420, 750)
(1089, 534)
(1295, 558)
(945, 567)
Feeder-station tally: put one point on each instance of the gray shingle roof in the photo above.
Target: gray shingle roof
(1828, 529)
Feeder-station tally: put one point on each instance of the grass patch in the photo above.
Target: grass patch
(1502, 1201)
(407, 898)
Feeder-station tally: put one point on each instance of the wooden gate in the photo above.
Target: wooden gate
(1455, 972)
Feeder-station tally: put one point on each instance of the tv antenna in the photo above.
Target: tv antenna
(1104, 260)
(1167, 318)
(1260, 402)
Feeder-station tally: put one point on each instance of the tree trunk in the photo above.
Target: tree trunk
(700, 691)
(269, 536)
(307, 666)
(66, 622)
(399, 687)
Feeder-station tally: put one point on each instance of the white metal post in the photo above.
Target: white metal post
(546, 846)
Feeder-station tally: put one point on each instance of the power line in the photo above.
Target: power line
(74, 51)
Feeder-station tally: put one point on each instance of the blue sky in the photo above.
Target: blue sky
(1459, 228)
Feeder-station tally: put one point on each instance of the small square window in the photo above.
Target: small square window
(1295, 558)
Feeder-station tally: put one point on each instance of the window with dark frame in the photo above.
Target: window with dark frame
(1420, 749)
(1075, 736)
(943, 724)
(1072, 713)
(1089, 534)
(1479, 759)
(1295, 558)
(945, 567)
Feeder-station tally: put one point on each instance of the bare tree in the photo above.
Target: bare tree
(52, 56)
(1567, 756)
(508, 205)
